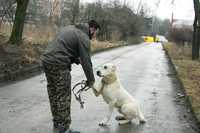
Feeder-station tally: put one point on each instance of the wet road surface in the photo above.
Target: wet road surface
(143, 70)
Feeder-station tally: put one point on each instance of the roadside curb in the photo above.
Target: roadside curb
(14, 75)
(187, 98)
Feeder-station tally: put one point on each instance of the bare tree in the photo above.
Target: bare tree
(18, 26)
(74, 11)
(55, 10)
(71, 11)
(117, 19)
(181, 35)
(7, 10)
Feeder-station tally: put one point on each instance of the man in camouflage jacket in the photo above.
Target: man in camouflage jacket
(71, 45)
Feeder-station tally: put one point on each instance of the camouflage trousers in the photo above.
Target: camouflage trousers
(59, 92)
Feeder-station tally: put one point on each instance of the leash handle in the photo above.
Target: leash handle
(77, 94)
(82, 104)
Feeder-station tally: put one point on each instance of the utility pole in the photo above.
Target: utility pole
(172, 17)
(153, 20)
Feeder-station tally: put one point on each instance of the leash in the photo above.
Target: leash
(82, 86)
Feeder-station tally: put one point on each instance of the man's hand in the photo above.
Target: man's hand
(90, 84)
(77, 61)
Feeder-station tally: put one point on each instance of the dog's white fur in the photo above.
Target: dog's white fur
(116, 96)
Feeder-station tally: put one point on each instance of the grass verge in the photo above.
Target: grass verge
(188, 72)
(14, 59)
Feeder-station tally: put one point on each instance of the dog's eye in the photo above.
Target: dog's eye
(105, 67)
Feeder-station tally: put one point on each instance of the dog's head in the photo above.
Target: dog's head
(107, 72)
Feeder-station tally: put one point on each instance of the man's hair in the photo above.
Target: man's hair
(93, 23)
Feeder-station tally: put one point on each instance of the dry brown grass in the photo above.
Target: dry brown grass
(35, 40)
(188, 72)
(34, 44)
(101, 45)
(39, 34)
(31, 52)
(5, 28)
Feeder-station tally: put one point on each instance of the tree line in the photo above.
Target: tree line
(118, 21)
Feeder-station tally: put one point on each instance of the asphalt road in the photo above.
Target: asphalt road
(143, 70)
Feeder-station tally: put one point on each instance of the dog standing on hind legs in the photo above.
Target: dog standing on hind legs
(116, 96)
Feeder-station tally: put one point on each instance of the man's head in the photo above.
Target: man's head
(93, 27)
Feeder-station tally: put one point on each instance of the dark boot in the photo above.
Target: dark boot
(63, 130)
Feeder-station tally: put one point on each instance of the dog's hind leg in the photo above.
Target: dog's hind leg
(122, 122)
(141, 117)
(120, 117)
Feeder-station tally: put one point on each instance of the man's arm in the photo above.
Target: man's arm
(84, 52)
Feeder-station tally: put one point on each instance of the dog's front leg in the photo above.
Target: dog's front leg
(106, 119)
(97, 88)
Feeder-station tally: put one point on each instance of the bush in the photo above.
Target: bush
(134, 40)
(181, 35)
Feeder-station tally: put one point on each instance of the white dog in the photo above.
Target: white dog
(116, 96)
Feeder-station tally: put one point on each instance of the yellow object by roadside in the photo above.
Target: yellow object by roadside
(150, 39)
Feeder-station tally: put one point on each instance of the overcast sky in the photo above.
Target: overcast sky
(182, 9)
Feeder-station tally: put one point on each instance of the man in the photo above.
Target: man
(71, 45)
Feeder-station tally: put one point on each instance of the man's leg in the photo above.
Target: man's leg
(50, 73)
(63, 88)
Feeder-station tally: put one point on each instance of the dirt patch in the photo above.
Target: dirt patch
(16, 57)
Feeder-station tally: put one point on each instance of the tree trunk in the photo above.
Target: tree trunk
(196, 33)
(198, 40)
(18, 26)
(194, 41)
(0, 24)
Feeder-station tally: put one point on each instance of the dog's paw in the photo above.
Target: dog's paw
(142, 121)
(102, 124)
(119, 118)
(123, 122)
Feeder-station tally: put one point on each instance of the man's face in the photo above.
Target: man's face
(92, 31)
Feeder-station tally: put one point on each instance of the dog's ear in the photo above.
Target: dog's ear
(113, 67)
